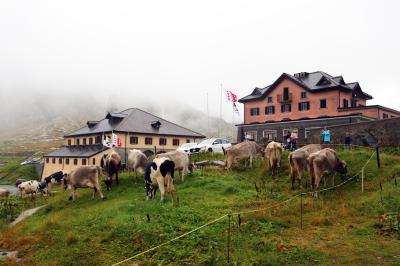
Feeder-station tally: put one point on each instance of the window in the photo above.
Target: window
(47, 160)
(67, 161)
(269, 99)
(53, 160)
(69, 142)
(84, 141)
(308, 130)
(134, 140)
(175, 142)
(286, 108)
(83, 161)
(75, 161)
(59, 160)
(77, 141)
(254, 111)
(322, 103)
(385, 116)
(295, 131)
(270, 134)
(251, 135)
(285, 94)
(90, 141)
(303, 95)
(304, 106)
(345, 103)
(94, 161)
(98, 140)
(148, 141)
(269, 110)
(187, 140)
(162, 141)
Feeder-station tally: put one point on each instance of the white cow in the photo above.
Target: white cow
(137, 162)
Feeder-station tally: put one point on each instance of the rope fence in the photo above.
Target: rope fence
(229, 215)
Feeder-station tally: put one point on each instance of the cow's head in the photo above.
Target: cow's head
(43, 187)
(108, 182)
(341, 167)
(65, 182)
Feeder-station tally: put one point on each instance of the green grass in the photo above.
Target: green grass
(12, 170)
(340, 227)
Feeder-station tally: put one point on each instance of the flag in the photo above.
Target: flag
(106, 142)
(231, 97)
(116, 141)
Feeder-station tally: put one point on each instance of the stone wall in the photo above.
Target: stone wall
(379, 132)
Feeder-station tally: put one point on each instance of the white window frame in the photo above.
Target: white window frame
(273, 131)
(251, 131)
(296, 130)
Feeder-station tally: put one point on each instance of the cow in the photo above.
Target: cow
(160, 174)
(19, 181)
(298, 162)
(32, 187)
(322, 164)
(273, 154)
(137, 161)
(243, 151)
(181, 161)
(111, 163)
(4, 192)
(54, 178)
(83, 177)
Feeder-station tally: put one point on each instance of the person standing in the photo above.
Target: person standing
(347, 141)
(326, 135)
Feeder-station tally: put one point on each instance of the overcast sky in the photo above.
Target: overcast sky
(180, 50)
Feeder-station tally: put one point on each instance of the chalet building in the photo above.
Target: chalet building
(135, 128)
(303, 102)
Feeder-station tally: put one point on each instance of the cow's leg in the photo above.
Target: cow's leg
(136, 178)
(251, 161)
(182, 174)
(161, 186)
(116, 178)
(94, 192)
(73, 193)
(98, 188)
(299, 177)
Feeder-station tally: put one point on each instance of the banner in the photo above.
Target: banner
(116, 141)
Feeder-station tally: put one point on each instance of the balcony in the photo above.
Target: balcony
(282, 99)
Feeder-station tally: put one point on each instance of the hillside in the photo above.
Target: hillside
(341, 227)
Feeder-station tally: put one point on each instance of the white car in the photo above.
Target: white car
(211, 145)
(186, 147)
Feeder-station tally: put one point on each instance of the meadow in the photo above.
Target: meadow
(342, 226)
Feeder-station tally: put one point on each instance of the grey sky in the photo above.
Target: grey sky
(179, 50)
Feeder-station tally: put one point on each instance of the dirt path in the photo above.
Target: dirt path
(26, 214)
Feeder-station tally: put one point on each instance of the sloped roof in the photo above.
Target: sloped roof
(313, 82)
(77, 151)
(135, 120)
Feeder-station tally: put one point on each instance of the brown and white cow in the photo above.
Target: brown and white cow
(137, 161)
(298, 161)
(84, 177)
(111, 163)
(273, 155)
(324, 163)
(32, 187)
(160, 174)
(4, 192)
(181, 160)
(244, 151)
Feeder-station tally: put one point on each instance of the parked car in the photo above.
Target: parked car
(186, 147)
(211, 145)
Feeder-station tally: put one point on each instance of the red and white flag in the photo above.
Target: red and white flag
(116, 141)
(231, 97)
(235, 109)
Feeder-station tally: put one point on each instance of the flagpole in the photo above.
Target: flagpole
(208, 116)
(220, 113)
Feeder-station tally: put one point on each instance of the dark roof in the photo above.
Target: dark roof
(312, 82)
(135, 120)
(77, 151)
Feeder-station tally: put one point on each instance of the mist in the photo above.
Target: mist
(78, 59)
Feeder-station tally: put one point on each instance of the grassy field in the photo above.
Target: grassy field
(341, 227)
(12, 170)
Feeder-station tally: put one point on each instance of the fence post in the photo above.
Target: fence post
(301, 210)
(155, 150)
(229, 238)
(378, 159)
(362, 180)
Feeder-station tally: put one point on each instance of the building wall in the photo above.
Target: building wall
(49, 167)
(332, 100)
(373, 112)
(302, 127)
(378, 132)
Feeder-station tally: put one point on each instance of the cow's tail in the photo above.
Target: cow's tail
(290, 157)
(223, 149)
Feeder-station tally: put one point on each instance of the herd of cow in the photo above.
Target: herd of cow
(320, 162)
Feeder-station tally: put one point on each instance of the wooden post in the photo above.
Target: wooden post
(362, 180)
(301, 210)
(229, 238)
(378, 159)
(155, 150)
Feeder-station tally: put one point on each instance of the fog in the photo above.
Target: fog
(87, 57)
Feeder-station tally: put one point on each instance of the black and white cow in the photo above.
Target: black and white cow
(159, 174)
(32, 187)
(55, 177)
